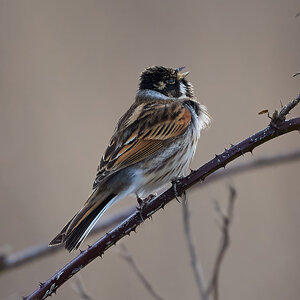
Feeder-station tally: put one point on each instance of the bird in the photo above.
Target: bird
(152, 145)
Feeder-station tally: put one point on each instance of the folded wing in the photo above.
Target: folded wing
(142, 131)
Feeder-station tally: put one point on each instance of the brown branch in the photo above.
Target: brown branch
(226, 220)
(195, 264)
(126, 256)
(27, 255)
(257, 163)
(153, 205)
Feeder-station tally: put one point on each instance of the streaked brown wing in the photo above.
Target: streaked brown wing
(142, 131)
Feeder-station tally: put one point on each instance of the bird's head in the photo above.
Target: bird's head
(166, 81)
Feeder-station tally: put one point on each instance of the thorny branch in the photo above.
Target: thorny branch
(27, 255)
(130, 224)
(126, 255)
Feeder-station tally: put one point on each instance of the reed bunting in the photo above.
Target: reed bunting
(153, 144)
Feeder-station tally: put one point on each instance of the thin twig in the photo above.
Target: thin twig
(79, 288)
(279, 118)
(196, 265)
(130, 224)
(124, 253)
(226, 220)
(9, 261)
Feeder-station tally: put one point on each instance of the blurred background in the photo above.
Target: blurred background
(69, 70)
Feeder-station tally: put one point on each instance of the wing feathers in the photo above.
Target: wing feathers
(141, 132)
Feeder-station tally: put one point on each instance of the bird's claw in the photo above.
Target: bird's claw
(177, 196)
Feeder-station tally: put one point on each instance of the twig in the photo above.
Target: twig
(79, 288)
(10, 261)
(27, 255)
(196, 266)
(131, 223)
(126, 255)
(226, 220)
(279, 118)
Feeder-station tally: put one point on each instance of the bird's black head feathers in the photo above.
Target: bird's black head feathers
(167, 81)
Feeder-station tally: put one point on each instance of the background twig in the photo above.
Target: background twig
(126, 255)
(226, 220)
(10, 261)
(195, 264)
(79, 288)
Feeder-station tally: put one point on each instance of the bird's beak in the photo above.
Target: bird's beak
(181, 75)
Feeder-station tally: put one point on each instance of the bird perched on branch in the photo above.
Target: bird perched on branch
(153, 144)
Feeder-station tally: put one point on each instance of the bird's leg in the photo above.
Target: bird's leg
(141, 205)
(143, 202)
(177, 196)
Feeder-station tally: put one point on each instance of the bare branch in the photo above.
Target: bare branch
(196, 265)
(131, 223)
(79, 288)
(226, 219)
(126, 255)
(10, 261)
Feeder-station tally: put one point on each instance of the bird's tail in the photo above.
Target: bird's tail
(77, 229)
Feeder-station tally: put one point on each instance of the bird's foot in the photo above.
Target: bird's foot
(143, 202)
(177, 195)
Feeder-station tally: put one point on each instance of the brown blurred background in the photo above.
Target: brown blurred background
(69, 69)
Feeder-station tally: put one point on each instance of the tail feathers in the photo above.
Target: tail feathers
(59, 239)
(77, 229)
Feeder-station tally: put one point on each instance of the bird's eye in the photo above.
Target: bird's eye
(171, 81)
